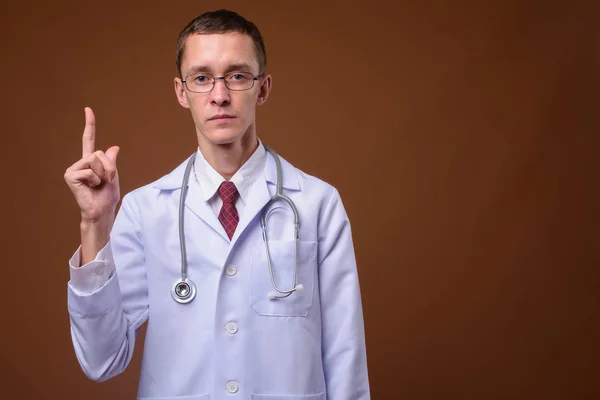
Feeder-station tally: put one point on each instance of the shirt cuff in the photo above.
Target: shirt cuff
(92, 276)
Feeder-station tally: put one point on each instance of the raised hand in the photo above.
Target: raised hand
(93, 179)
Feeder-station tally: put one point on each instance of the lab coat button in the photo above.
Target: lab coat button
(230, 271)
(232, 386)
(99, 269)
(231, 327)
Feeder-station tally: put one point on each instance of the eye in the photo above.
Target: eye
(201, 79)
(238, 77)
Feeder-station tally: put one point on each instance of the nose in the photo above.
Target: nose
(220, 94)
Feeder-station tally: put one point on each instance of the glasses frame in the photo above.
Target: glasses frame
(216, 78)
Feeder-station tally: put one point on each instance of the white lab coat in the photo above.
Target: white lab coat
(232, 341)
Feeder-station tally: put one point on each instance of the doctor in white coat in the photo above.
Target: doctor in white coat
(233, 340)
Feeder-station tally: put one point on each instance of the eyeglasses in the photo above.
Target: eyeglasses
(204, 82)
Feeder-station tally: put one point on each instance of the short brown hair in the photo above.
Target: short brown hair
(223, 21)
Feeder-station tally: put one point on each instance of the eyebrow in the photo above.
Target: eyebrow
(242, 66)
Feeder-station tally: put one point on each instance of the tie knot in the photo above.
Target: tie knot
(228, 192)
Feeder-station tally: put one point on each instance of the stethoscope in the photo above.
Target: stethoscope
(184, 290)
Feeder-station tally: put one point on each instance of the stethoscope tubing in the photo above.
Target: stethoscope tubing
(183, 289)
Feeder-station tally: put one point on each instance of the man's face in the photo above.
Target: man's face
(219, 54)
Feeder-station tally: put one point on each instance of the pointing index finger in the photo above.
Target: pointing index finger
(89, 133)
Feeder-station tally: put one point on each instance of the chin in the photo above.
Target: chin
(223, 136)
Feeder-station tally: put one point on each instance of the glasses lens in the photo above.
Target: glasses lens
(239, 80)
(200, 82)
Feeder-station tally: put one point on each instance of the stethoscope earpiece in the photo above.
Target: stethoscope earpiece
(274, 295)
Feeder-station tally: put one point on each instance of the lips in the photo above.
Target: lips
(221, 117)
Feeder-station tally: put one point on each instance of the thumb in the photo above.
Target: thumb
(112, 153)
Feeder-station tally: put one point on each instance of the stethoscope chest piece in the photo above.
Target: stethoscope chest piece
(183, 291)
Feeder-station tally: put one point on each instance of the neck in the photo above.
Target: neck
(227, 158)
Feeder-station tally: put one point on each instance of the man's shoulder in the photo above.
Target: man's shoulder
(312, 184)
(318, 196)
(171, 180)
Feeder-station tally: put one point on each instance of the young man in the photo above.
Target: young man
(248, 321)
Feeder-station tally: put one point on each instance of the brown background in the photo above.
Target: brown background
(461, 135)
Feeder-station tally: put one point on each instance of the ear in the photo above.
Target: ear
(180, 93)
(265, 89)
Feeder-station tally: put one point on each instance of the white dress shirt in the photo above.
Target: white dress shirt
(93, 275)
(209, 179)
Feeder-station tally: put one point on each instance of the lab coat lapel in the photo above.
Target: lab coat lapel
(262, 191)
(193, 200)
(202, 209)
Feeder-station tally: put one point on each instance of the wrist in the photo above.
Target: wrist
(95, 234)
(102, 221)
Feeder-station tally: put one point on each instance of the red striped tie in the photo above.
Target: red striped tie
(228, 216)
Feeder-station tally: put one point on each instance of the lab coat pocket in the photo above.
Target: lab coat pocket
(319, 396)
(300, 302)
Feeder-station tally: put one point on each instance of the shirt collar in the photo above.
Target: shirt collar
(209, 179)
(290, 179)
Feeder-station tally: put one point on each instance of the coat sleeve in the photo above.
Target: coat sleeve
(104, 322)
(343, 334)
